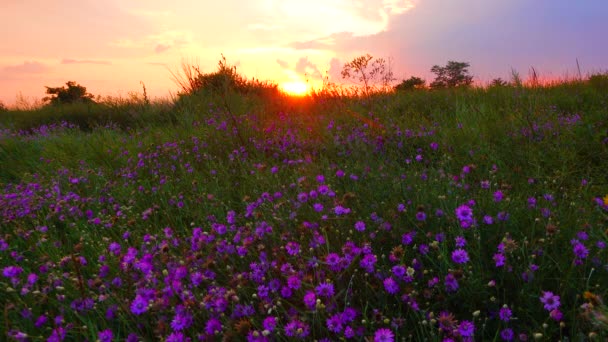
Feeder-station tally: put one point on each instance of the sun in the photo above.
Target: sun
(296, 88)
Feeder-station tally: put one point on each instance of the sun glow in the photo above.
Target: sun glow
(296, 88)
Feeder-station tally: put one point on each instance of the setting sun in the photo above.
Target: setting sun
(295, 88)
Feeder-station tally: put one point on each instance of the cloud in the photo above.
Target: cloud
(283, 64)
(335, 70)
(304, 66)
(161, 48)
(263, 27)
(323, 43)
(157, 64)
(482, 33)
(161, 41)
(27, 67)
(84, 61)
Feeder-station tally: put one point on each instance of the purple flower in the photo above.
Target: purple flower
(297, 329)
(408, 238)
(294, 282)
(384, 335)
(580, 251)
(556, 315)
(340, 210)
(325, 290)
(498, 196)
(213, 326)
(460, 241)
(460, 256)
(398, 271)
(293, 248)
(390, 285)
(270, 323)
(499, 259)
(504, 314)
(335, 324)
(451, 284)
(507, 334)
(550, 300)
(464, 213)
(487, 219)
(105, 335)
(139, 305)
(368, 261)
(12, 271)
(177, 337)
(420, 216)
(466, 329)
(310, 300)
(318, 207)
(360, 226)
(182, 319)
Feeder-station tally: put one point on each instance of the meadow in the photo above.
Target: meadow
(446, 215)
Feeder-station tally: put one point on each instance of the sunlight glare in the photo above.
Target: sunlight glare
(295, 88)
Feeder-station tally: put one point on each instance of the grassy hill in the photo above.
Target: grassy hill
(464, 214)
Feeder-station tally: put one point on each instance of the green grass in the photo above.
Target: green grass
(76, 179)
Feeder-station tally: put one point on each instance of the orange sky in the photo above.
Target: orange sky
(110, 46)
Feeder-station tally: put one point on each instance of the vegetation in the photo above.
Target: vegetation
(453, 74)
(452, 214)
(369, 75)
(410, 84)
(73, 93)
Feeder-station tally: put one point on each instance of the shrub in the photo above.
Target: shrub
(599, 81)
(411, 83)
(72, 94)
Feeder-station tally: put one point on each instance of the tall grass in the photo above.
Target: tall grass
(463, 214)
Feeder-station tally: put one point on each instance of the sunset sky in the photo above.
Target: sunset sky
(109, 46)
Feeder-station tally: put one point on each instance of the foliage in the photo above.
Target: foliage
(445, 211)
(226, 79)
(71, 94)
(453, 74)
(369, 75)
(498, 82)
(411, 83)
(599, 81)
(3, 107)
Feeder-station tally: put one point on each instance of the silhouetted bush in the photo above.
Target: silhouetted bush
(411, 83)
(73, 93)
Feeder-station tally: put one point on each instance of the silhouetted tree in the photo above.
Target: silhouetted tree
(74, 92)
(454, 74)
(498, 82)
(3, 107)
(360, 69)
(411, 83)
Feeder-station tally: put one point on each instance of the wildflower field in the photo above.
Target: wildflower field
(448, 215)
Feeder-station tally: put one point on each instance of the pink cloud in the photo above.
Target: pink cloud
(27, 67)
(161, 48)
(85, 61)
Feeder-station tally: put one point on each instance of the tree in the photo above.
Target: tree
(3, 107)
(454, 74)
(411, 83)
(498, 82)
(361, 70)
(73, 93)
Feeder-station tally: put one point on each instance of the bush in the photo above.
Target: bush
(72, 94)
(599, 81)
(411, 83)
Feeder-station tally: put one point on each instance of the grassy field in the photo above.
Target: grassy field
(466, 214)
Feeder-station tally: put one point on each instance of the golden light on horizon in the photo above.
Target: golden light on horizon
(296, 88)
